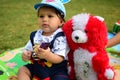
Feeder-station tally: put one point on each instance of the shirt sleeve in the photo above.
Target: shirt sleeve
(60, 46)
(28, 46)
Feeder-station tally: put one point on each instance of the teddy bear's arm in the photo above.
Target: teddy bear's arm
(101, 66)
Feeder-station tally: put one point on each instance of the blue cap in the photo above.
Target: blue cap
(57, 4)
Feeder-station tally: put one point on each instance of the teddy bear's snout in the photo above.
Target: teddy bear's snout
(79, 36)
(76, 37)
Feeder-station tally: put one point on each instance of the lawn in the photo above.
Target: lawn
(18, 18)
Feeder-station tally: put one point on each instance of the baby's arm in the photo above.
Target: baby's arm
(114, 41)
(28, 49)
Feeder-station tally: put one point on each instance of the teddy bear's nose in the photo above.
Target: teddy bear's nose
(76, 37)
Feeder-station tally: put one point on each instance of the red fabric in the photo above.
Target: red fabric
(36, 78)
(47, 78)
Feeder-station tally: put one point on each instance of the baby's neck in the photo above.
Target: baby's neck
(47, 33)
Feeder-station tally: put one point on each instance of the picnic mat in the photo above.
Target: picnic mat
(10, 61)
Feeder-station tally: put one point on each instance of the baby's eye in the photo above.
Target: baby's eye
(50, 16)
(41, 16)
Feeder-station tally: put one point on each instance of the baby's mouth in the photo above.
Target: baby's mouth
(45, 25)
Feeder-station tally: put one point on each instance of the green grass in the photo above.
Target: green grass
(18, 18)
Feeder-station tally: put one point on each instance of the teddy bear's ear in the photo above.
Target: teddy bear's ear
(68, 29)
(80, 21)
(100, 18)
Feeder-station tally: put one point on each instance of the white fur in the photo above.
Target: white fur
(79, 36)
(100, 18)
(80, 21)
(83, 63)
(109, 74)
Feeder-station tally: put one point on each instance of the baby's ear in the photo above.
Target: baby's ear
(62, 22)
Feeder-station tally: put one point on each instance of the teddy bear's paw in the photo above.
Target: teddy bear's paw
(109, 74)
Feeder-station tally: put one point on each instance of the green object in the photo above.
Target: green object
(116, 27)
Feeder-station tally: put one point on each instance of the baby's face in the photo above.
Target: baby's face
(49, 21)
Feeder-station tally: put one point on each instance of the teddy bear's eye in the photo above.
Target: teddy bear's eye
(86, 31)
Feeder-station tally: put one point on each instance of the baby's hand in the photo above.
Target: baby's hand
(43, 53)
(35, 48)
(26, 55)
